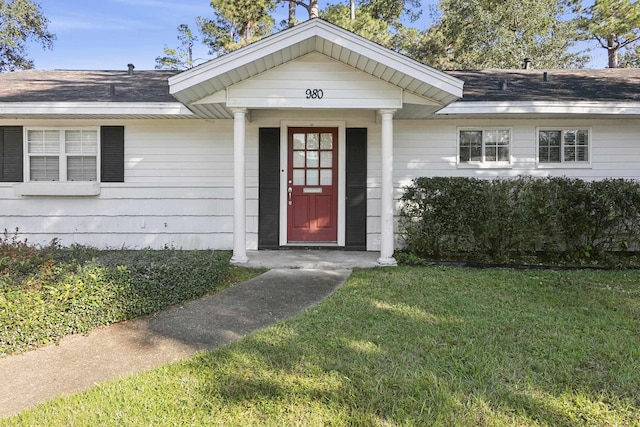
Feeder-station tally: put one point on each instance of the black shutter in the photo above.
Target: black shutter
(269, 189)
(11, 154)
(112, 154)
(356, 181)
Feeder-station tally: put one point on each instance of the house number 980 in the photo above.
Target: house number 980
(314, 93)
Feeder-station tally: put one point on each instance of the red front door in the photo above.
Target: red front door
(312, 189)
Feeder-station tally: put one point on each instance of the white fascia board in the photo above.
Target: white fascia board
(223, 64)
(400, 63)
(95, 108)
(542, 107)
(302, 32)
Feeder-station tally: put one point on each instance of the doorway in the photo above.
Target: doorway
(312, 185)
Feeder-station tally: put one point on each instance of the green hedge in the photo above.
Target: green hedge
(502, 219)
(48, 293)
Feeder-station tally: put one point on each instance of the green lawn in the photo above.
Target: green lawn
(406, 346)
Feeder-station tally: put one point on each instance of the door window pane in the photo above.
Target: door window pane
(313, 141)
(312, 159)
(298, 159)
(312, 177)
(298, 177)
(298, 141)
(326, 159)
(326, 177)
(326, 141)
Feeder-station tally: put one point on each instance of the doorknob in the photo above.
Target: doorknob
(290, 190)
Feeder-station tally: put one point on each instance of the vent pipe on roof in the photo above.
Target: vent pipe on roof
(545, 77)
(527, 64)
(131, 67)
(502, 85)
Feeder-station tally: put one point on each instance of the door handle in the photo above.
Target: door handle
(290, 190)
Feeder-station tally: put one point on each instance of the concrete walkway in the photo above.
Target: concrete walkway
(79, 362)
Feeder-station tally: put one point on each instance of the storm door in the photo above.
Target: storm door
(312, 185)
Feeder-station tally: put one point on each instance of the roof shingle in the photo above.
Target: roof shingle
(621, 84)
(606, 85)
(85, 86)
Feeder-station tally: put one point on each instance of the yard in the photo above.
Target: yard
(406, 346)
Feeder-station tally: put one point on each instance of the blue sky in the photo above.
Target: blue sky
(109, 34)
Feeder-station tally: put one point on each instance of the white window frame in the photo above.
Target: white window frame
(484, 163)
(62, 155)
(564, 164)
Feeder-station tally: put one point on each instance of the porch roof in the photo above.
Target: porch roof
(425, 89)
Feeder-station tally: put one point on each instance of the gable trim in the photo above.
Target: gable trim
(193, 86)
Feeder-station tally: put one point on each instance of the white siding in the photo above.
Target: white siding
(178, 186)
(335, 84)
(177, 192)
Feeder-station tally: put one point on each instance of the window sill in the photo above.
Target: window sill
(565, 165)
(60, 189)
(496, 165)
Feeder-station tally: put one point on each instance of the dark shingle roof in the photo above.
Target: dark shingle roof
(85, 86)
(484, 85)
(621, 84)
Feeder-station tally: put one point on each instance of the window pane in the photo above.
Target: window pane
(326, 177)
(43, 142)
(491, 136)
(81, 142)
(298, 159)
(312, 177)
(326, 159)
(326, 141)
(44, 168)
(298, 177)
(496, 145)
(504, 137)
(582, 154)
(470, 146)
(503, 154)
(549, 146)
(313, 141)
(312, 159)
(81, 168)
(491, 154)
(298, 141)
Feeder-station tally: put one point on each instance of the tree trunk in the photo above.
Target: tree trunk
(292, 13)
(353, 9)
(313, 9)
(612, 51)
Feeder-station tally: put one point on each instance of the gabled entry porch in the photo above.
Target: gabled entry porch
(317, 174)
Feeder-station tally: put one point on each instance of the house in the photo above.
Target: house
(306, 137)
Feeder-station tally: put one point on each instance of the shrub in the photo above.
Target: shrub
(498, 220)
(66, 291)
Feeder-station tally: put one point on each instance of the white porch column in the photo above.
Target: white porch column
(386, 213)
(239, 188)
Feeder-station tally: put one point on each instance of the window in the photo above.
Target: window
(62, 154)
(485, 145)
(560, 146)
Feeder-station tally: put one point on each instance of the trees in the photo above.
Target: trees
(180, 58)
(235, 24)
(470, 34)
(476, 34)
(614, 24)
(21, 21)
